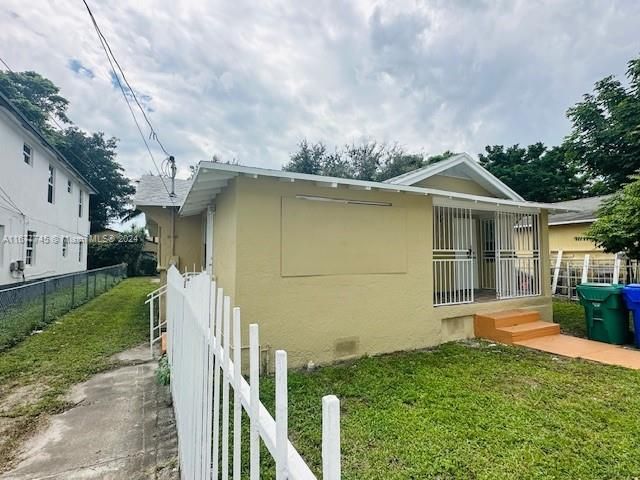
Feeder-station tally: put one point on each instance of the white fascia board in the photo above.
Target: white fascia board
(459, 159)
(570, 222)
(205, 168)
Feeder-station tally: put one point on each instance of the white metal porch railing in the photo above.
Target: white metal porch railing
(495, 251)
(202, 331)
(156, 323)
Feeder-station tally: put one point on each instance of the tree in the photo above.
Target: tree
(36, 97)
(617, 228)
(605, 136)
(367, 161)
(308, 158)
(535, 172)
(125, 248)
(93, 155)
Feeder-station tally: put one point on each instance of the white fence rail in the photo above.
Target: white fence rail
(570, 270)
(201, 330)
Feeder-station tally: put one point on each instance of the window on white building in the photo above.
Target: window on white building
(51, 187)
(80, 251)
(27, 154)
(65, 246)
(79, 203)
(69, 186)
(30, 252)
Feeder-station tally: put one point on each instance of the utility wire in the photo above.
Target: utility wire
(104, 43)
(5, 64)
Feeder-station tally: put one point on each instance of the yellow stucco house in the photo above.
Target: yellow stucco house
(566, 229)
(334, 268)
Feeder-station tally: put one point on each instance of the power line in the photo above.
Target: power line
(105, 46)
(5, 64)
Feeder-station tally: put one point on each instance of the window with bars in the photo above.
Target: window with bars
(27, 154)
(51, 185)
(30, 251)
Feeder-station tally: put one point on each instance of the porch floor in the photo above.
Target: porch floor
(482, 295)
(574, 347)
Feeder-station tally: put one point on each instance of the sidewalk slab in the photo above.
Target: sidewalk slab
(574, 347)
(122, 427)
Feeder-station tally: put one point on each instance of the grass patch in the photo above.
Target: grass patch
(570, 316)
(30, 308)
(470, 410)
(78, 345)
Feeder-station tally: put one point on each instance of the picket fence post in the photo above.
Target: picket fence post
(282, 428)
(225, 387)
(237, 408)
(330, 438)
(254, 423)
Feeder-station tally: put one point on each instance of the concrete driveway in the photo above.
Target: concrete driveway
(122, 427)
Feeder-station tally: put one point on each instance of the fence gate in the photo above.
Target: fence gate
(517, 245)
(453, 255)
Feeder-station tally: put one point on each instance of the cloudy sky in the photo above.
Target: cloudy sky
(250, 79)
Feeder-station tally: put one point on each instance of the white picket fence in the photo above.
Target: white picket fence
(202, 330)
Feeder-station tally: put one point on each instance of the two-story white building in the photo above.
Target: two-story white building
(44, 204)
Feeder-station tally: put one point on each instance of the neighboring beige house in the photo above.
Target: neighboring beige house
(334, 268)
(566, 229)
(180, 239)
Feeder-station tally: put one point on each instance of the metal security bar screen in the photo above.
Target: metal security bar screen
(453, 257)
(517, 254)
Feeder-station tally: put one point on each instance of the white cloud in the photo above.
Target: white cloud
(248, 80)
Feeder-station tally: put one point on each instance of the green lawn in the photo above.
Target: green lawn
(19, 316)
(471, 410)
(42, 368)
(570, 316)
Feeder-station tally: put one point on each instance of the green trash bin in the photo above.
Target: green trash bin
(605, 312)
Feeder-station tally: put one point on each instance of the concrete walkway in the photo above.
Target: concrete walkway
(122, 427)
(574, 347)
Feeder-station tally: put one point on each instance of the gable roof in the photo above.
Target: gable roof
(588, 208)
(23, 122)
(461, 165)
(151, 192)
(212, 177)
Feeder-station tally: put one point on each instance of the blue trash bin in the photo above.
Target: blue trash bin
(631, 295)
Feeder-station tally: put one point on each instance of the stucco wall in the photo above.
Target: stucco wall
(563, 237)
(188, 238)
(334, 316)
(453, 184)
(26, 184)
(225, 229)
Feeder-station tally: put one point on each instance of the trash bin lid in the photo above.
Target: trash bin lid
(616, 286)
(633, 285)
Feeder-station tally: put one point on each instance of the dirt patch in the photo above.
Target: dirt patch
(20, 396)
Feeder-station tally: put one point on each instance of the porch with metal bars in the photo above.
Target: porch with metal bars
(484, 255)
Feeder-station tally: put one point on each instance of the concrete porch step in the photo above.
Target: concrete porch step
(508, 318)
(527, 331)
(511, 326)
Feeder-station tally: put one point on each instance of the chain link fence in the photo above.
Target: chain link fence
(30, 307)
